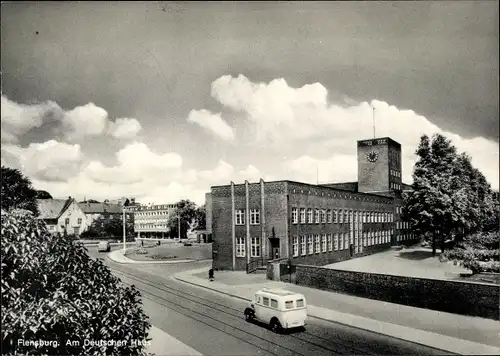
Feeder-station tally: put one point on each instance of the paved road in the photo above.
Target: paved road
(213, 324)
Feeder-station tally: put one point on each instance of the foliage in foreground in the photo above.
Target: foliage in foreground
(52, 291)
(478, 252)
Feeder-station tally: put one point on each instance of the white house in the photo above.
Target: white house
(62, 215)
(94, 211)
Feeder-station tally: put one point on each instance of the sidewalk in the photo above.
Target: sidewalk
(449, 332)
(163, 344)
(117, 256)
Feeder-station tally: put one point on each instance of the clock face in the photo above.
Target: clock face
(372, 156)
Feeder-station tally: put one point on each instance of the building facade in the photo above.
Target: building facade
(108, 211)
(311, 224)
(151, 221)
(62, 216)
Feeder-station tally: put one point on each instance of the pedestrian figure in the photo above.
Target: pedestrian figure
(211, 274)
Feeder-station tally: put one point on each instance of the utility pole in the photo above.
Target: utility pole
(124, 233)
(179, 227)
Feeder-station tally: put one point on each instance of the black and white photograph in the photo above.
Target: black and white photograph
(250, 178)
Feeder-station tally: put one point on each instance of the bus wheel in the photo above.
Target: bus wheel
(276, 326)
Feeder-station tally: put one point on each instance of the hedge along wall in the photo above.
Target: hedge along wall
(466, 298)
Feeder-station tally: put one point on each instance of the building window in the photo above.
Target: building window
(295, 246)
(240, 217)
(317, 244)
(309, 216)
(329, 216)
(323, 216)
(254, 217)
(303, 245)
(330, 242)
(66, 221)
(79, 221)
(310, 245)
(336, 241)
(240, 247)
(323, 243)
(316, 216)
(346, 240)
(346, 216)
(295, 216)
(335, 217)
(302, 215)
(341, 216)
(255, 247)
(341, 241)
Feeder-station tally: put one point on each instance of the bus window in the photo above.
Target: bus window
(289, 304)
(265, 301)
(274, 303)
(300, 303)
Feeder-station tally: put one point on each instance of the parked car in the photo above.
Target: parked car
(103, 246)
(279, 308)
(188, 243)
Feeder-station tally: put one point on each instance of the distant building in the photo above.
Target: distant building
(62, 215)
(252, 223)
(151, 221)
(94, 211)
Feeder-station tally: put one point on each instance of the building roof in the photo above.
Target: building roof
(52, 208)
(100, 208)
(326, 186)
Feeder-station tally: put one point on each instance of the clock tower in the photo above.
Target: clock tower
(379, 165)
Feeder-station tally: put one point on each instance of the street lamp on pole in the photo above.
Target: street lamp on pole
(179, 227)
(124, 233)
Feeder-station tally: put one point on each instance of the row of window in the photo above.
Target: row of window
(150, 226)
(404, 237)
(151, 213)
(310, 244)
(402, 225)
(254, 217)
(79, 221)
(157, 220)
(333, 216)
(395, 186)
(395, 173)
(254, 247)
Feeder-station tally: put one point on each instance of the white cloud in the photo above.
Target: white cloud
(124, 128)
(86, 120)
(212, 122)
(51, 160)
(18, 119)
(301, 122)
(335, 169)
(136, 163)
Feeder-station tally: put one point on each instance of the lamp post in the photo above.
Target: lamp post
(124, 233)
(179, 227)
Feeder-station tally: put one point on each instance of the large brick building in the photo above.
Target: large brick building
(252, 223)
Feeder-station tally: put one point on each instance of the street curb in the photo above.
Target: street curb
(212, 289)
(454, 345)
(135, 262)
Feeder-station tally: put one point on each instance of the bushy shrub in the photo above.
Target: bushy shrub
(53, 291)
(491, 266)
(455, 254)
(483, 240)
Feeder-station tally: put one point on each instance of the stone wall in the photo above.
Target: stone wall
(475, 299)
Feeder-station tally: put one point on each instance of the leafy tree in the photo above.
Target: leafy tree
(450, 197)
(42, 194)
(53, 291)
(104, 226)
(201, 217)
(186, 210)
(17, 191)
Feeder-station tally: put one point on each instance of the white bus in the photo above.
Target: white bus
(280, 309)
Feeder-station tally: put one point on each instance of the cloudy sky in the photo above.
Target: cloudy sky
(161, 100)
